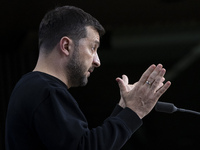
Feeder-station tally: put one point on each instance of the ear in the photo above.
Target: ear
(65, 45)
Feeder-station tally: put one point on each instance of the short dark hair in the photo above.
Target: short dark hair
(65, 21)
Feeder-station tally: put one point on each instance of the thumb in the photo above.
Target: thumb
(125, 79)
(121, 84)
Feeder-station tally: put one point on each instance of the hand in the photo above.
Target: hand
(128, 87)
(142, 97)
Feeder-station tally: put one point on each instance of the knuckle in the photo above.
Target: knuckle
(158, 80)
(150, 78)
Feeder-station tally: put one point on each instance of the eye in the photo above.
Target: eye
(94, 48)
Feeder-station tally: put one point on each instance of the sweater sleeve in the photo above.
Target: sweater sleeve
(60, 125)
(113, 134)
(116, 110)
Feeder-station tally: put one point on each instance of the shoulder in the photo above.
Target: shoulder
(35, 87)
(39, 81)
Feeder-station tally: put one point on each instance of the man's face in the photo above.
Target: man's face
(84, 58)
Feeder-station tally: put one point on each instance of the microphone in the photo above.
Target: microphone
(171, 108)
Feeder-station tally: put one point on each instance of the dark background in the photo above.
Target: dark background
(139, 33)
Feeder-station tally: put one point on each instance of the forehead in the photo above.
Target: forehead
(92, 34)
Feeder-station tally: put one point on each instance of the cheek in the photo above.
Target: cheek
(88, 59)
(85, 63)
(88, 63)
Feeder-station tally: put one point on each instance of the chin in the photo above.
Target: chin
(83, 82)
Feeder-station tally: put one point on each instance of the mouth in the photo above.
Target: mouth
(91, 70)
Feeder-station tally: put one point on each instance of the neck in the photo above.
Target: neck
(49, 65)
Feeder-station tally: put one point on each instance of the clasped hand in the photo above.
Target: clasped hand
(142, 96)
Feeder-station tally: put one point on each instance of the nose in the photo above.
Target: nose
(96, 60)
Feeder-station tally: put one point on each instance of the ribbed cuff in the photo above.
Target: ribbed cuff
(116, 110)
(130, 118)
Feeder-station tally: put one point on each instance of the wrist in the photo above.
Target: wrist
(122, 103)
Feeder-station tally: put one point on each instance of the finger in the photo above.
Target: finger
(159, 86)
(125, 79)
(121, 84)
(158, 80)
(163, 79)
(154, 74)
(161, 83)
(146, 74)
(163, 89)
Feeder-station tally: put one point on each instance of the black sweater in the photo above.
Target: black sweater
(42, 114)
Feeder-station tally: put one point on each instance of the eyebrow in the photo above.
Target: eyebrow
(97, 42)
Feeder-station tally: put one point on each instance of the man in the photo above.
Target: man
(43, 115)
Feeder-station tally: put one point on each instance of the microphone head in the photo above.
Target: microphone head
(165, 107)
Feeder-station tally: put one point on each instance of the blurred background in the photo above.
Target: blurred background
(139, 33)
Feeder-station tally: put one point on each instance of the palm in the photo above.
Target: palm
(129, 87)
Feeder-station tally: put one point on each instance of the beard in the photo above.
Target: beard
(76, 70)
